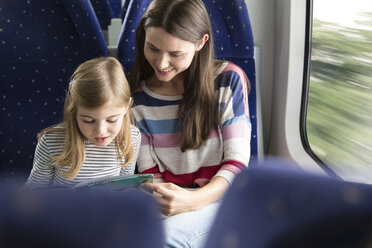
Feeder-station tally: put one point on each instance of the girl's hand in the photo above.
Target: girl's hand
(172, 198)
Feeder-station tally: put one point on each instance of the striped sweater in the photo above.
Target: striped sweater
(99, 161)
(224, 153)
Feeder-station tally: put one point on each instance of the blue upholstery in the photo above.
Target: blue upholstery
(116, 7)
(123, 11)
(42, 43)
(103, 12)
(274, 207)
(127, 39)
(233, 41)
(92, 219)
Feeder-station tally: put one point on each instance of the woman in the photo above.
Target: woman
(193, 115)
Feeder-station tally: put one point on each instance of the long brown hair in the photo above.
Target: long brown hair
(187, 20)
(93, 84)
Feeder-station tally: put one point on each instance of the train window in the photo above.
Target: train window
(339, 96)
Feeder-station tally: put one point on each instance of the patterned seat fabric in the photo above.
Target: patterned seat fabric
(42, 43)
(233, 41)
(275, 205)
(132, 10)
(116, 6)
(123, 10)
(103, 12)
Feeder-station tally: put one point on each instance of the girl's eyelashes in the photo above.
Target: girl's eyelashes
(92, 121)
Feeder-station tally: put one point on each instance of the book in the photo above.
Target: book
(117, 182)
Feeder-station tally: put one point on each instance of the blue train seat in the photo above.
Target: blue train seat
(233, 41)
(271, 206)
(116, 7)
(42, 43)
(103, 12)
(134, 10)
(89, 219)
(123, 11)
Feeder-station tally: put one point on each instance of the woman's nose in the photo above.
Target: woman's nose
(163, 61)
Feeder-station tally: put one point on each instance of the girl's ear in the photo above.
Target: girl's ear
(202, 42)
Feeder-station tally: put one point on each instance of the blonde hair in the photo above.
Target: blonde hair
(189, 21)
(93, 84)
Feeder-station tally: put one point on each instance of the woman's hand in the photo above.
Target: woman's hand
(172, 198)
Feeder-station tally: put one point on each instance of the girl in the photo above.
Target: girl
(96, 138)
(193, 114)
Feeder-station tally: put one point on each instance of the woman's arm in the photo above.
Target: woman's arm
(136, 143)
(174, 199)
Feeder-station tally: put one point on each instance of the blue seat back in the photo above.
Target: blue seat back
(42, 43)
(124, 8)
(273, 207)
(103, 12)
(233, 41)
(88, 219)
(116, 7)
(133, 10)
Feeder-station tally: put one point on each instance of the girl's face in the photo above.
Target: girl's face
(168, 55)
(100, 125)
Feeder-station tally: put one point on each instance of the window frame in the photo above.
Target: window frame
(287, 87)
(305, 90)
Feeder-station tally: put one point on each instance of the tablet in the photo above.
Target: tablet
(117, 182)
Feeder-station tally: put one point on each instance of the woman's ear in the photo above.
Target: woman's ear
(202, 42)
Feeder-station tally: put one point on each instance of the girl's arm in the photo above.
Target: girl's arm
(42, 172)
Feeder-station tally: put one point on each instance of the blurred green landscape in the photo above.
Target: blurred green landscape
(339, 114)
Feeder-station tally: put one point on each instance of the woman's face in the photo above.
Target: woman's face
(168, 55)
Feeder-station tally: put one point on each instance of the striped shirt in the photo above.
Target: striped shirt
(98, 162)
(224, 153)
